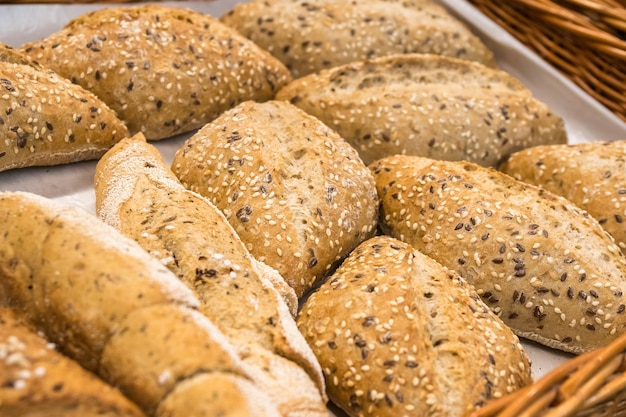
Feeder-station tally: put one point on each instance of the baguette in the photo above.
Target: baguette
(427, 105)
(545, 266)
(138, 193)
(164, 70)
(295, 192)
(46, 120)
(591, 175)
(400, 335)
(319, 34)
(38, 381)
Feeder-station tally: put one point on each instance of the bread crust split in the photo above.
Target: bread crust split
(139, 194)
(164, 70)
(398, 334)
(545, 266)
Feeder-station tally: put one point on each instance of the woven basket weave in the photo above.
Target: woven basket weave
(584, 39)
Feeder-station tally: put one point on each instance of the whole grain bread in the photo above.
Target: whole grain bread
(545, 266)
(164, 70)
(295, 192)
(318, 34)
(38, 381)
(591, 175)
(427, 105)
(138, 193)
(400, 335)
(46, 120)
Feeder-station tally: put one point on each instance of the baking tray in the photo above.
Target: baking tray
(585, 119)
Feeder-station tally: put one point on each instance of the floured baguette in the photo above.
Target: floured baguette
(310, 36)
(427, 105)
(295, 192)
(400, 335)
(139, 194)
(545, 266)
(37, 381)
(47, 120)
(164, 70)
(80, 281)
(591, 175)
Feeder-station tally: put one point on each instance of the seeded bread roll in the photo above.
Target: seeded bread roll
(138, 193)
(427, 105)
(313, 35)
(591, 175)
(165, 70)
(37, 381)
(545, 266)
(46, 120)
(398, 334)
(295, 192)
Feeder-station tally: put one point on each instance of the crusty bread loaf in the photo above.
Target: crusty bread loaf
(46, 120)
(37, 381)
(308, 37)
(544, 265)
(591, 175)
(295, 192)
(138, 193)
(400, 335)
(165, 70)
(427, 105)
(79, 281)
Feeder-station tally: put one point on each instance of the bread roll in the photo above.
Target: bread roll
(295, 192)
(46, 120)
(400, 335)
(165, 70)
(308, 37)
(37, 381)
(427, 105)
(138, 193)
(591, 175)
(545, 266)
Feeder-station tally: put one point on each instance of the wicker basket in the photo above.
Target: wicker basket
(583, 39)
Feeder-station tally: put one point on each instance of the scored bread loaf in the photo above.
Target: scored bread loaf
(165, 70)
(295, 192)
(47, 120)
(138, 193)
(310, 36)
(545, 266)
(38, 381)
(591, 175)
(79, 281)
(427, 105)
(400, 335)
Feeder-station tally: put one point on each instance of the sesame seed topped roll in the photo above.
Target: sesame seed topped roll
(544, 265)
(165, 70)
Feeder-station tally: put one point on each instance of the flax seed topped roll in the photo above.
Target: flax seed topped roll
(165, 70)
(308, 36)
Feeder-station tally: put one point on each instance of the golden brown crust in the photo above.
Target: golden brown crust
(427, 105)
(398, 334)
(591, 175)
(544, 265)
(164, 70)
(295, 192)
(314, 35)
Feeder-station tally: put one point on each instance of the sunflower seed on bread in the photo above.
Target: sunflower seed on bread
(545, 266)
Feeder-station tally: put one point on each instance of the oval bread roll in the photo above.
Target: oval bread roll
(295, 192)
(545, 266)
(400, 335)
(164, 70)
(310, 36)
(47, 120)
(591, 175)
(426, 105)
